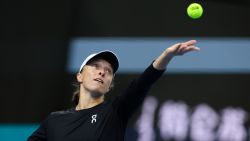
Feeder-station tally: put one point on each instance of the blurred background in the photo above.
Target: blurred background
(203, 96)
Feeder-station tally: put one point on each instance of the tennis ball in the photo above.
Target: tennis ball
(194, 10)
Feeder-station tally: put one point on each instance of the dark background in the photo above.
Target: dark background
(35, 37)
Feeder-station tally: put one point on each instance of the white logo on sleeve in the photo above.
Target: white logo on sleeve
(94, 118)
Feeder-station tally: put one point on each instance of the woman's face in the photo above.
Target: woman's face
(96, 76)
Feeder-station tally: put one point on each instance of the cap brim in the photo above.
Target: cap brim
(107, 55)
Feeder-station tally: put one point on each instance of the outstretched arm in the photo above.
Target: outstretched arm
(177, 49)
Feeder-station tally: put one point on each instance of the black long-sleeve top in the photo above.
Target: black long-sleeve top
(104, 122)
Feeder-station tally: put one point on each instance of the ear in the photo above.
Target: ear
(108, 90)
(79, 77)
(111, 86)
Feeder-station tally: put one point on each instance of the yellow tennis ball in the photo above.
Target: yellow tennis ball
(195, 10)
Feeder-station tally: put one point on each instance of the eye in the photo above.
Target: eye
(109, 71)
(95, 65)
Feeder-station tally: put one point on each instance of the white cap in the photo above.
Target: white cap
(106, 55)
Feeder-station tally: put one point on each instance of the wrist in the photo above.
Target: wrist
(169, 54)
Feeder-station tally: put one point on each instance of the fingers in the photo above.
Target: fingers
(190, 42)
(190, 48)
(182, 48)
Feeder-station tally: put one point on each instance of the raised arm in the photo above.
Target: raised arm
(177, 49)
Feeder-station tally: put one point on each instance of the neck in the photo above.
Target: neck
(88, 100)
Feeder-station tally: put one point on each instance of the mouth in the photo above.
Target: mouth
(99, 80)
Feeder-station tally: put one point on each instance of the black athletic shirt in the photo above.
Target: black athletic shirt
(104, 122)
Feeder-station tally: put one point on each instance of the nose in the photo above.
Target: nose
(101, 72)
